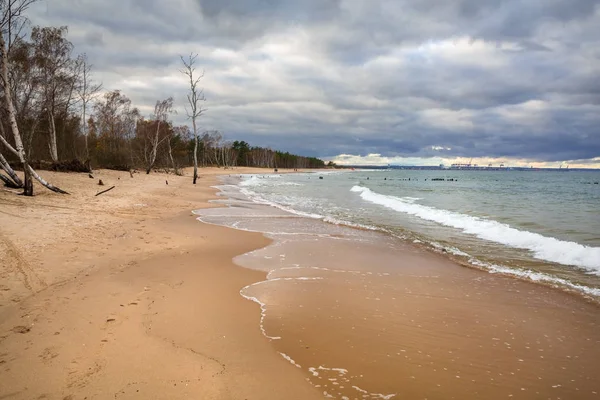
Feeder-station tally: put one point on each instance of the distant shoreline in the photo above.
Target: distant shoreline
(478, 169)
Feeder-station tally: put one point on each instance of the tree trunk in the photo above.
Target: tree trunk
(8, 182)
(195, 150)
(18, 183)
(28, 184)
(8, 146)
(52, 143)
(171, 157)
(87, 148)
(154, 149)
(44, 182)
(195, 159)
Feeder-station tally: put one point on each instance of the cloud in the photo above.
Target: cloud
(467, 78)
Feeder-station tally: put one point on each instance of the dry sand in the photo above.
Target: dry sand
(126, 295)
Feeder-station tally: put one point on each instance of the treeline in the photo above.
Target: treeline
(52, 109)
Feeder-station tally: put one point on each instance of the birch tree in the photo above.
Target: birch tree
(11, 24)
(87, 91)
(195, 98)
(162, 109)
(53, 57)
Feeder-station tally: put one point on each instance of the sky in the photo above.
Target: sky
(362, 81)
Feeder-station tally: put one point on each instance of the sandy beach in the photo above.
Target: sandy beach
(127, 295)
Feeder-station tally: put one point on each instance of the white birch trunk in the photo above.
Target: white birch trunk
(154, 150)
(17, 182)
(195, 149)
(52, 143)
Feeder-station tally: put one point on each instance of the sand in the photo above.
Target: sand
(126, 295)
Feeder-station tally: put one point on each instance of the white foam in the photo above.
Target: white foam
(263, 306)
(255, 197)
(263, 313)
(290, 360)
(536, 277)
(267, 180)
(541, 247)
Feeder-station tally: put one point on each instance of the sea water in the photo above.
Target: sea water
(538, 225)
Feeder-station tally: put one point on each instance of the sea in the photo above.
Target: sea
(536, 225)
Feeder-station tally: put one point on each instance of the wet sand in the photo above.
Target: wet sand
(366, 316)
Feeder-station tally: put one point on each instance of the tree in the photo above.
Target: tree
(162, 109)
(13, 20)
(87, 91)
(177, 135)
(52, 52)
(194, 97)
(114, 125)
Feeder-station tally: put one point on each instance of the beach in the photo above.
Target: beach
(127, 295)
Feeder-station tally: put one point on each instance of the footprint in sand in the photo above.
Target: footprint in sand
(21, 329)
(48, 354)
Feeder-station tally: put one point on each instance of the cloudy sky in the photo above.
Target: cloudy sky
(379, 81)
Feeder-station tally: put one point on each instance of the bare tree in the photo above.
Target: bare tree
(86, 91)
(13, 20)
(194, 97)
(115, 124)
(58, 72)
(162, 109)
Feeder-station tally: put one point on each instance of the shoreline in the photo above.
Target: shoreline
(521, 273)
(133, 297)
(502, 298)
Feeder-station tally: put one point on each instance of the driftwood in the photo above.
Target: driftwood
(100, 183)
(104, 191)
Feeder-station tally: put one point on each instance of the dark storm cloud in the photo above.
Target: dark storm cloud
(476, 78)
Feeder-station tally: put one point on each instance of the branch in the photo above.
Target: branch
(8, 146)
(104, 191)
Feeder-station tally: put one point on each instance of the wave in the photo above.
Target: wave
(255, 197)
(272, 180)
(542, 247)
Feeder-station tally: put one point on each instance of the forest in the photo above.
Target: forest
(56, 116)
